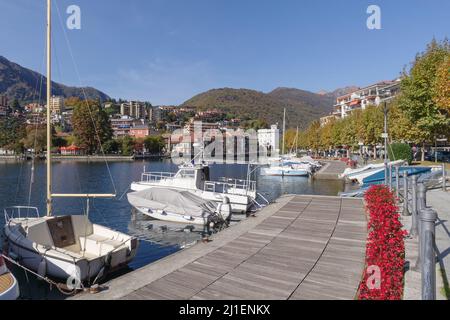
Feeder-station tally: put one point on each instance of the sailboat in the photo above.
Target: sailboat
(66, 247)
(286, 165)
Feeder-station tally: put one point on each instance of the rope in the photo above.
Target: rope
(59, 286)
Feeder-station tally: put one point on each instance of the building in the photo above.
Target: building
(371, 95)
(121, 126)
(134, 109)
(269, 138)
(34, 108)
(4, 106)
(71, 151)
(140, 131)
(57, 105)
(326, 120)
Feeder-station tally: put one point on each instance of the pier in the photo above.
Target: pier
(331, 170)
(301, 247)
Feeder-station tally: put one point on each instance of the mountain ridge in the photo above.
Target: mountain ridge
(21, 83)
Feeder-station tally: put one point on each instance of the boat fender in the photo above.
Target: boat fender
(108, 260)
(224, 209)
(42, 268)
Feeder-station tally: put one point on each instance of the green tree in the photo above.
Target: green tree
(127, 146)
(154, 144)
(111, 146)
(91, 125)
(12, 131)
(419, 99)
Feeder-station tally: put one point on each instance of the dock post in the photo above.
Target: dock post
(421, 205)
(444, 177)
(405, 194)
(397, 181)
(428, 218)
(414, 222)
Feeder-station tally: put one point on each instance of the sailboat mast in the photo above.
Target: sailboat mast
(49, 96)
(284, 130)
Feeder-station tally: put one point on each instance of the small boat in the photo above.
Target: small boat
(378, 177)
(180, 206)
(9, 287)
(359, 174)
(195, 179)
(287, 169)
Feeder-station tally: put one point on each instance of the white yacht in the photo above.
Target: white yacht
(195, 179)
(67, 247)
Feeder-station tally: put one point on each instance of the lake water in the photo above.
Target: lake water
(80, 177)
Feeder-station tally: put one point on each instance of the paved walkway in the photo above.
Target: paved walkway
(331, 170)
(439, 201)
(302, 247)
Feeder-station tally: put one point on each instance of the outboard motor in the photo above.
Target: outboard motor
(224, 209)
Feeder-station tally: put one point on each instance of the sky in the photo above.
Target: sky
(166, 51)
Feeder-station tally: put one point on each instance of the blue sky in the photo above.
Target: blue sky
(165, 51)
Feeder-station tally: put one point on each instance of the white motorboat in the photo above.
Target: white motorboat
(359, 174)
(9, 287)
(180, 206)
(195, 179)
(292, 169)
(65, 247)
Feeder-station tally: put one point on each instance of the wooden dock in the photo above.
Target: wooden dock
(331, 170)
(302, 247)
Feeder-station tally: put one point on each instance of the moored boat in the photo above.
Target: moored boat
(9, 287)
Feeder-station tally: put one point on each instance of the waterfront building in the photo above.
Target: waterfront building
(269, 138)
(72, 150)
(140, 130)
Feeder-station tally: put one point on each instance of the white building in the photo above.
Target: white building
(270, 139)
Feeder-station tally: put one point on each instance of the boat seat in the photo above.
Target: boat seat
(98, 245)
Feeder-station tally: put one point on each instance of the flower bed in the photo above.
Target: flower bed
(385, 249)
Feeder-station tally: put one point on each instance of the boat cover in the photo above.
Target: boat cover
(171, 200)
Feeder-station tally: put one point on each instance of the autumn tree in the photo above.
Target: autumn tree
(91, 126)
(422, 99)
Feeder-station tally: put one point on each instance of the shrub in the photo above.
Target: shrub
(400, 151)
(385, 246)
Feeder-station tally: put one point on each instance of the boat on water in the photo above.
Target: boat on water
(9, 287)
(287, 168)
(180, 207)
(67, 247)
(359, 174)
(242, 194)
(378, 177)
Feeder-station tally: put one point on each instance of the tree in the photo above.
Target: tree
(421, 99)
(111, 147)
(441, 89)
(154, 144)
(127, 146)
(12, 131)
(91, 125)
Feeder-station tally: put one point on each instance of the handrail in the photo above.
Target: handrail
(18, 209)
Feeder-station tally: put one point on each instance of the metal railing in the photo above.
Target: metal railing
(412, 194)
(231, 186)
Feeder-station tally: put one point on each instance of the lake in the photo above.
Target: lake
(81, 177)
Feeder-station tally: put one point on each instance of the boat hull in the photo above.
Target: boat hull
(239, 203)
(285, 172)
(9, 287)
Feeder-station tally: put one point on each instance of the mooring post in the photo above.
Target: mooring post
(414, 229)
(397, 181)
(444, 177)
(428, 218)
(421, 205)
(405, 194)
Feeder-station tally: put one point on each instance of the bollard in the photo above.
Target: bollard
(405, 194)
(397, 181)
(390, 176)
(444, 178)
(414, 229)
(428, 218)
(421, 205)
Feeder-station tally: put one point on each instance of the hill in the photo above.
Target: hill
(302, 107)
(22, 84)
